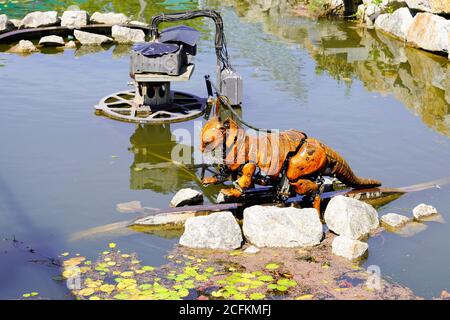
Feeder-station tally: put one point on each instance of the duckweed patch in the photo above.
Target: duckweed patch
(121, 276)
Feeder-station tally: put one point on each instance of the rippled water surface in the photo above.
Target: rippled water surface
(384, 106)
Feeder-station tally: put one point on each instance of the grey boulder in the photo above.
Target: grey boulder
(219, 230)
(23, 47)
(88, 38)
(429, 32)
(5, 24)
(397, 23)
(394, 220)
(423, 211)
(74, 19)
(109, 18)
(433, 6)
(269, 226)
(350, 217)
(51, 41)
(127, 35)
(185, 197)
(39, 19)
(349, 248)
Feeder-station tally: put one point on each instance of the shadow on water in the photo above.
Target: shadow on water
(33, 253)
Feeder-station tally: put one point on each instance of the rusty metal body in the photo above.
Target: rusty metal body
(274, 157)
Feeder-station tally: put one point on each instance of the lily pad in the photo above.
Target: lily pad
(272, 266)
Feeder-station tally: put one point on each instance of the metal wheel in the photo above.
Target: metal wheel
(120, 106)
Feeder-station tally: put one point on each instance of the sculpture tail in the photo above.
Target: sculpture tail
(341, 169)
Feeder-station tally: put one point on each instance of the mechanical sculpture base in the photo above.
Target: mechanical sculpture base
(121, 106)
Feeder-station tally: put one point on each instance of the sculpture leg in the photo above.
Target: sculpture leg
(308, 188)
(246, 180)
(210, 180)
(316, 205)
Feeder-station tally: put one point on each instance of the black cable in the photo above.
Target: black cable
(220, 41)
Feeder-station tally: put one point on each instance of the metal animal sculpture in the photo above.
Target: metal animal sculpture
(267, 158)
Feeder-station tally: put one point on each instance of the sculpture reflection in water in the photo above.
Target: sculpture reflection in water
(153, 167)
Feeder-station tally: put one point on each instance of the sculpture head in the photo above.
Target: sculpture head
(212, 134)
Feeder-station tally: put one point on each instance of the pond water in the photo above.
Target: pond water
(384, 107)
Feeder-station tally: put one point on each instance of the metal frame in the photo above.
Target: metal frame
(120, 106)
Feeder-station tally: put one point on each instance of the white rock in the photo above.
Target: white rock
(423, 211)
(251, 250)
(394, 220)
(74, 19)
(5, 24)
(16, 22)
(138, 23)
(433, 6)
(397, 23)
(429, 32)
(350, 217)
(71, 44)
(349, 248)
(91, 38)
(23, 47)
(51, 41)
(109, 18)
(39, 19)
(269, 226)
(371, 13)
(186, 197)
(165, 219)
(127, 35)
(217, 231)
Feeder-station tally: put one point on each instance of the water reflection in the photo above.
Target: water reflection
(153, 168)
(419, 80)
(137, 9)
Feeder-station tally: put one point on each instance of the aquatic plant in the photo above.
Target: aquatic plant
(121, 276)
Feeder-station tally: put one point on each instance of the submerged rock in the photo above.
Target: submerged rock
(88, 38)
(129, 207)
(269, 226)
(23, 47)
(51, 41)
(127, 35)
(74, 19)
(429, 32)
(40, 19)
(219, 230)
(166, 219)
(349, 248)
(185, 197)
(424, 211)
(109, 18)
(411, 229)
(397, 23)
(394, 220)
(433, 6)
(350, 217)
(5, 24)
